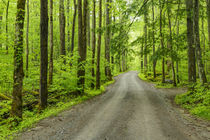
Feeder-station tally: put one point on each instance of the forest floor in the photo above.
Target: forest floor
(130, 109)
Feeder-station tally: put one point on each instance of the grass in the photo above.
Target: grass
(30, 118)
(157, 81)
(196, 101)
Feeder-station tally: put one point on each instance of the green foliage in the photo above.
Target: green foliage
(196, 100)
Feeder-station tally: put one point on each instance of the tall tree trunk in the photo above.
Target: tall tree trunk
(98, 75)
(93, 40)
(1, 19)
(68, 24)
(27, 42)
(85, 19)
(198, 51)
(190, 38)
(162, 40)
(81, 69)
(51, 44)
(62, 29)
(7, 42)
(18, 61)
(107, 42)
(153, 38)
(177, 61)
(145, 37)
(208, 15)
(73, 29)
(142, 56)
(123, 61)
(171, 44)
(204, 43)
(44, 53)
(88, 27)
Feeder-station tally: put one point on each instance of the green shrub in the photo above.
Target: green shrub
(196, 100)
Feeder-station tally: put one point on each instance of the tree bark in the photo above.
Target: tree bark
(1, 19)
(27, 42)
(171, 44)
(93, 40)
(107, 42)
(153, 39)
(142, 56)
(162, 40)
(44, 53)
(81, 45)
(7, 42)
(198, 51)
(62, 30)
(98, 75)
(177, 61)
(73, 30)
(85, 23)
(18, 61)
(51, 44)
(68, 25)
(88, 27)
(145, 37)
(190, 38)
(208, 15)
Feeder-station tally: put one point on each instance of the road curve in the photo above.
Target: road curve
(129, 110)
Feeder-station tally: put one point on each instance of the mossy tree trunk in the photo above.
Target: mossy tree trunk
(18, 61)
(190, 39)
(198, 51)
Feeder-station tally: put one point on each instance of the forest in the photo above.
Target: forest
(55, 54)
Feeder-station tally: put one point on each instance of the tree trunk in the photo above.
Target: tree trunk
(7, 42)
(142, 56)
(27, 42)
(190, 38)
(1, 18)
(18, 61)
(208, 15)
(153, 39)
(98, 76)
(145, 37)
(88, 27)
(93, 40)
(62, 30)
(204, 44)
(73, 29)
(171, 44)
(198, 51)
(51, 44)
(162, 40)
(81, 44)
(107, 42)
(68, 24)
(177, 61)
(44, 53)
(85, 19)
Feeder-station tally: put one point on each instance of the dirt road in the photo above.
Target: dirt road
(130, 110)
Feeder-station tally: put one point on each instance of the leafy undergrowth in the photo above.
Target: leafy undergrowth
(196, 100)
(158, 80)
(32, 116)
